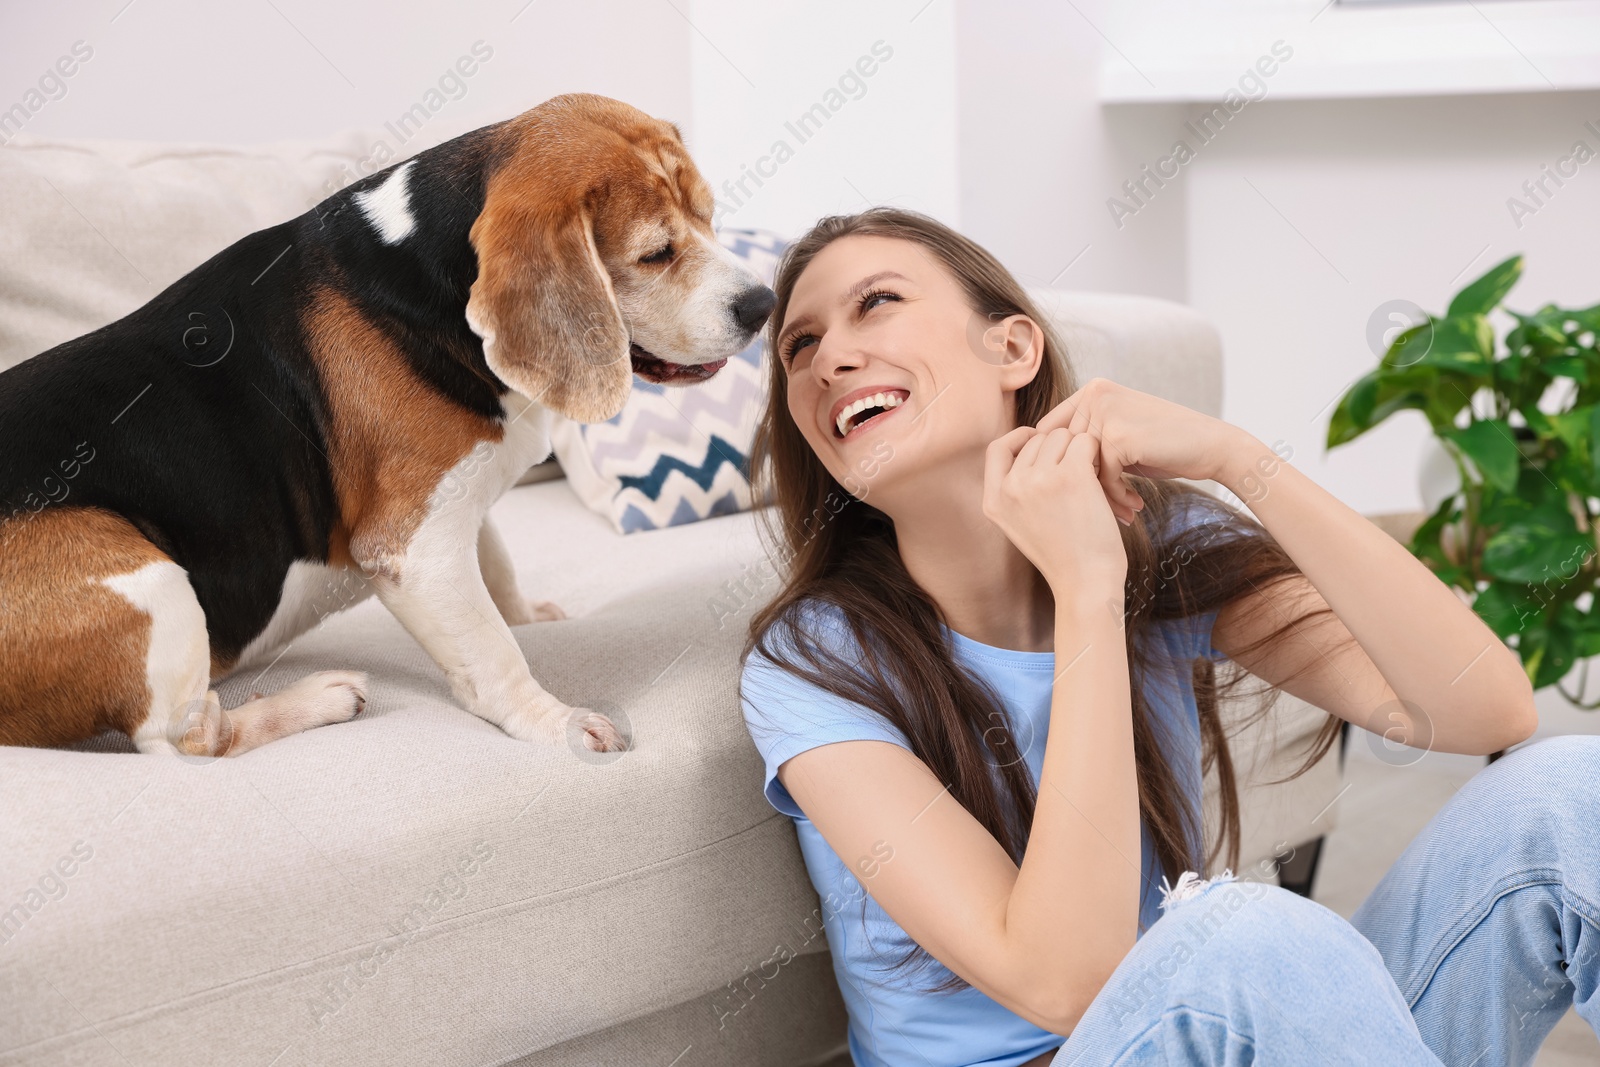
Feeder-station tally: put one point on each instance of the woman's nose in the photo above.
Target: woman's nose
(833, 358)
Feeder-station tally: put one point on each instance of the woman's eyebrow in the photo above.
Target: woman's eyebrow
(849, 294)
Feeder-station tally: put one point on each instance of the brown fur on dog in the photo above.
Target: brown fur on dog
(72, 651)
(545, 300)
(392, 438)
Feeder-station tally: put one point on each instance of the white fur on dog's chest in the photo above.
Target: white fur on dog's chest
(527, 439)
(482, 476)
(456, 509)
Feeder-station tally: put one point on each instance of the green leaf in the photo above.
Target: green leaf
(1508, 607)
(1449, 394)
(1492, 449)
(1487, 292)
(1538, 548)
(1383, 391)
(1574, 367)
(1464, 344)
(1344, 425)
(1543, 331)
(1573, 473)
(1363, 398)
(1512, 370)
(1427, 542)
(1574, 427)
(1548, 653)
(1540, 423)
(1409, 346)
(1585, 628)
(1588, 318)
(1579, 430)
(1594, 437)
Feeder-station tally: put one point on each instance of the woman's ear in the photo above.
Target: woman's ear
(544, 307)
(1016, 347)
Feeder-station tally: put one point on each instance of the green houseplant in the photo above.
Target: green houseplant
(1517, 538)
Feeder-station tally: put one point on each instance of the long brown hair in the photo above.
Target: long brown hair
(842, 551)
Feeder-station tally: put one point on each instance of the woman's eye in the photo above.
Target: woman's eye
(864, 304)
(659, 256)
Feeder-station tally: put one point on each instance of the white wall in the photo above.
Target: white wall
(1304, 217)
(1040, 155)
(879, 82)
(294, 69)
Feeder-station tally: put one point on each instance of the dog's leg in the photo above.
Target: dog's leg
(105, 632)
(184, 716)
(501, 578)
(437, 592)
(205, 728)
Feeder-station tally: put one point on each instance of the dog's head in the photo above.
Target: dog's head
(597, 260)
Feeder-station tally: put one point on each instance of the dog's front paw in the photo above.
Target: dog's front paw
(597, 732)
(322, 698)
(569, 726)
(523, 611)
(544, 611)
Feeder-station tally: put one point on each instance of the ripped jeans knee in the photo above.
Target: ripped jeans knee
(1240, 969)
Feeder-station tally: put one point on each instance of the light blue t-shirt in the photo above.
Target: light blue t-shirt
(891, 1023)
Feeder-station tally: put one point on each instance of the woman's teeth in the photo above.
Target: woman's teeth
(855, 407)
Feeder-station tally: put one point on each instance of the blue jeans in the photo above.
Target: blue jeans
(1469, 951)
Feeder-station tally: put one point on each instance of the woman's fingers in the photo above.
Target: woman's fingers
(1029, 454)
(1124, 502)
(999, 458)
(1111, 478)
(1085, 448)
(1011, 443)
(1053, 445)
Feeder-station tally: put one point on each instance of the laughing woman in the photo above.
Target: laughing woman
(988, 830)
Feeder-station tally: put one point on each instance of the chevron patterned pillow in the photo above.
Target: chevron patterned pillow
(680, 454)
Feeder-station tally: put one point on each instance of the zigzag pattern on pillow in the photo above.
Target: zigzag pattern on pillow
(677, 454)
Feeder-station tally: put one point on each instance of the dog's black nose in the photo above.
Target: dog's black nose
(753, 307)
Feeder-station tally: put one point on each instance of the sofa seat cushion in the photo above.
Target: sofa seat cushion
(414, 886)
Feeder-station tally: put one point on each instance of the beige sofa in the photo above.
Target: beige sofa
(414, 887)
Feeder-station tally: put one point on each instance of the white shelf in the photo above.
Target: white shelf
(1167, 51)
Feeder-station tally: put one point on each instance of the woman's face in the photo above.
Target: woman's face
(873, 314)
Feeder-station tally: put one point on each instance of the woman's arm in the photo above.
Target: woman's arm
(1421, 643)
(1041, 940)
(1073, 912)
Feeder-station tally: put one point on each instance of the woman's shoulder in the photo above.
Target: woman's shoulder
(787, 714)
(808, 622)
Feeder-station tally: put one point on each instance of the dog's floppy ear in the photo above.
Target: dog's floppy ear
(544, 306)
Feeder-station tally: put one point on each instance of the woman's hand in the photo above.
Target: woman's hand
(1143, 435)
(1043, 491)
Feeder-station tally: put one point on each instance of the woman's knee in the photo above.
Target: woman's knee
(1247, 912)
(1230, 928)
(1548, 781)
(1566, 759)
(1256, 957)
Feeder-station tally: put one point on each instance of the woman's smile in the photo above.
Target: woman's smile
(864, 407)
(862, 427)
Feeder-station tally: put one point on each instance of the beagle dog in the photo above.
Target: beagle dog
(326, 409)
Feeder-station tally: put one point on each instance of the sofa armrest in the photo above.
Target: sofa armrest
(1156, 346)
